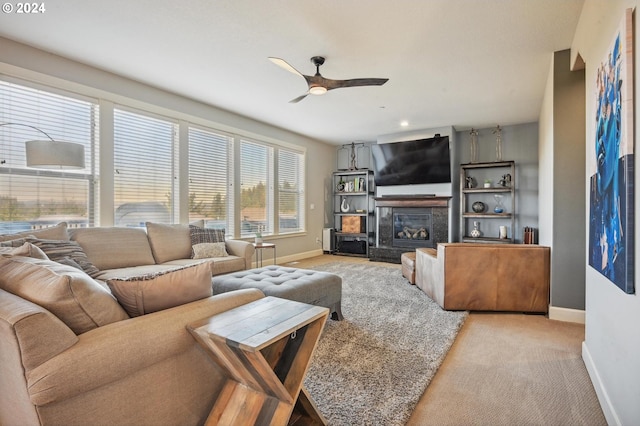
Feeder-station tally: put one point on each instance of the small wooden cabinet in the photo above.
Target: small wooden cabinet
(500, 189)
(353, 212)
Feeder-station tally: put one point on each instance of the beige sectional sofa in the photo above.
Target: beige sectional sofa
(118, 252)
(71, 354)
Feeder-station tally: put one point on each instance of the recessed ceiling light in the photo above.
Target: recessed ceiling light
(404, 123)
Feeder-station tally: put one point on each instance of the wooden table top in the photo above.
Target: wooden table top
(255, 325)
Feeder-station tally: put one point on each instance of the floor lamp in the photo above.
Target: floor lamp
(52, 154)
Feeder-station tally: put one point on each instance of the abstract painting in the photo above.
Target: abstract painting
(611, 221)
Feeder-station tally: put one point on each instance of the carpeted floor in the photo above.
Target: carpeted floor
(512, 369)
(373, 367)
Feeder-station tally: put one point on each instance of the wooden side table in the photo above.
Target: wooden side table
(259, 250)
(265, 348)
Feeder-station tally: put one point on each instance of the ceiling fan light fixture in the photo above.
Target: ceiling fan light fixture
(318, 90)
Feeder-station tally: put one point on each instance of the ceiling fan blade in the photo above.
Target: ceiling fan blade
(337, 84)
(298, 99)
(283, 64)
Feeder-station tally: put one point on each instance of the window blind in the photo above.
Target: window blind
(256, 196)
(35, 198)
(210, 174)
(291, 197)
(144, 160)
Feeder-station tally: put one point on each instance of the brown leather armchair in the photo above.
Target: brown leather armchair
(485, 277)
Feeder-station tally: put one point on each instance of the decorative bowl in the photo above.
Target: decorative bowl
(478, 207)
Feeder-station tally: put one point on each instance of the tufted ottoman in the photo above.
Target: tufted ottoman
(302, 285)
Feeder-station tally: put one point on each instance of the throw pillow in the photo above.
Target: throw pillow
(154, 292)
(58, 250)
(26, 250)
(68, 293)
(207, 250)
(204, 235)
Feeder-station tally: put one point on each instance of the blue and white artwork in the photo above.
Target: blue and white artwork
(611, 222)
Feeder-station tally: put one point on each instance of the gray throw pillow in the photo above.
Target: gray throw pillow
(204, 235)
(62, 251)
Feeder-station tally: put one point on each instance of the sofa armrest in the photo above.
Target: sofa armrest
(430, 273)
(242, 249)
(31, 331)
(113, 352)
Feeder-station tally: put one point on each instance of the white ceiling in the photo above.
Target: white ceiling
(462, 63)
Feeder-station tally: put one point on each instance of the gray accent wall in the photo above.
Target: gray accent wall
(519, 143)
(562, 159)
(569, 242)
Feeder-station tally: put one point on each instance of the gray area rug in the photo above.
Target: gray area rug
(373, 367)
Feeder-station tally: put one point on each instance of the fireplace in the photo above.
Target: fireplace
(405, 223)
(411, 227)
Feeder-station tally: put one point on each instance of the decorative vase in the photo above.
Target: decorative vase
(503, 232)
(478, 207)
(344, 206)
(258, 240)
(475, 232)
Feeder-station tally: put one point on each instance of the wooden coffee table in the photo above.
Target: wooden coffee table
(265, 348)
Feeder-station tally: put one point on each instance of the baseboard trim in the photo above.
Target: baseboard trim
(566, 314)
(291, 258)
(300, 256)
(603, 397)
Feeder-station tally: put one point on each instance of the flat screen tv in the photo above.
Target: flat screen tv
(412, 162)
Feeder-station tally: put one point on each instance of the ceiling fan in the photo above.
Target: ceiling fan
(318, 85)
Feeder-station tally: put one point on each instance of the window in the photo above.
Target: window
(210, 177)
(239, 185)
(262, 198)
(34, 198)
(145, 171)
(256, 196)
(291, 200)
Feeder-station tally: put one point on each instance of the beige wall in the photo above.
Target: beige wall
(611, 350)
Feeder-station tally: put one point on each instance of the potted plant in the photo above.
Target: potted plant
(487, 183)
(258, 239)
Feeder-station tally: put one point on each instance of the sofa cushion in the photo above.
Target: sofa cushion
(57, 232)
(70, 294)
(154, 292)
(66, 252)
(136, 271)
(114, 247)
(218, 265)
(26, 250)
(207, 250)
(169, 242)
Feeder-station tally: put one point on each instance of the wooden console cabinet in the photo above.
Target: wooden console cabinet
(486, 277)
